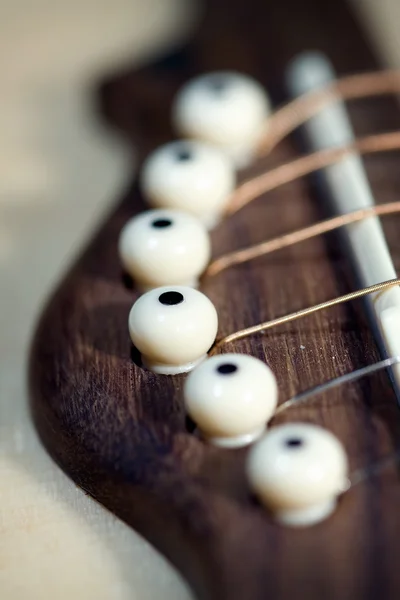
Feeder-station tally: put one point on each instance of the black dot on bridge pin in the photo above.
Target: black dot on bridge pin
(171, 298)
(294, 443)
(161, 223)
(218, 84)
(184, 154)
(227, 368)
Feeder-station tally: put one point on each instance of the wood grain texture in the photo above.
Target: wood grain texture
(120, 432)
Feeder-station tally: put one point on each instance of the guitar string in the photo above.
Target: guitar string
(321, 388)
(290, 116)
(300, 235)
(302, 109)
(253, 188)
(358, 475)
(261, 327)
(284, 121)
(382, 464)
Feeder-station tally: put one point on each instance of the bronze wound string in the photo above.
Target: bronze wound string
(266, 182)
(282, 123)
(301, 109)
(295, 113)
(295, 237)
(261, 327)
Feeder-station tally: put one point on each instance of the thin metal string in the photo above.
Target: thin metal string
(300, 235)
(243, 333)
(311, 393)
(362, 474)
(292, 115)
(283, 122)
(253, 188)
(359, 475)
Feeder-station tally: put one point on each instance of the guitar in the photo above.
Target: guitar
(121, 432)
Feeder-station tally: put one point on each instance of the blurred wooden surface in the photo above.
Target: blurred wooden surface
(120, 432)
(60, 171)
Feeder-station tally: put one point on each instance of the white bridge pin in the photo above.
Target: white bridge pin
(164, 247)
(191, 176)
(173, 327)
(231, 397)
(298, 471)
(225, 108)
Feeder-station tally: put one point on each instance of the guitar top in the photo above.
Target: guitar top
(121, 432)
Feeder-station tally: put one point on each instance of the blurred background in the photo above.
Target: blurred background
(61, 169)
